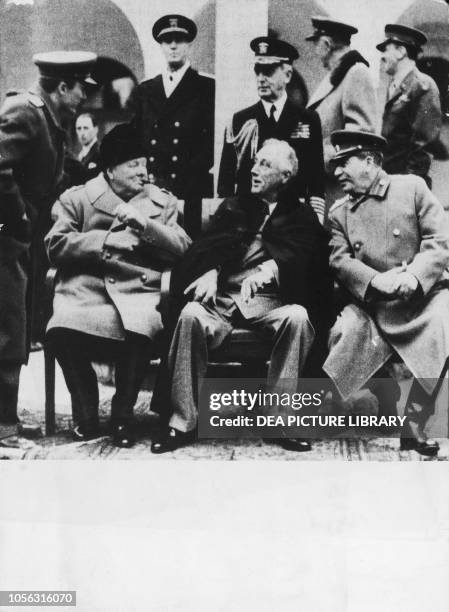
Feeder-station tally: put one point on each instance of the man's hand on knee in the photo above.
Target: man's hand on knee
(204, 288)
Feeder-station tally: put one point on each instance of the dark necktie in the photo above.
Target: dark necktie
(272, 120)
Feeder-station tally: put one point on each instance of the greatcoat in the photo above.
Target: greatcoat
(411, 121)
(101, 290)
(345, 99)
(399, 222)
(31, 171)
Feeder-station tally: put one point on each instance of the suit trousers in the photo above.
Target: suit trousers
(75, 352)
(202, 327)
(9, 390)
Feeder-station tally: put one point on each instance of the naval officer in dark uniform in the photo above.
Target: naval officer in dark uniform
(412, 114)
(31, 170)
(274, 116)
(174, 112)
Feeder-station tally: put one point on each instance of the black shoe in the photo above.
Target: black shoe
(428, 448)
(81, 433)
(123, 436)
(298, 445)
(171, 440)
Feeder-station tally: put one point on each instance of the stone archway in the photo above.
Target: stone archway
(45, 25)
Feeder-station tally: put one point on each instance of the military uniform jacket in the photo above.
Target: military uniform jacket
(31, 168)
(250, 128)
(178, 132)
(398, 221)
(104, 291)
(411, 121)
(345, 99)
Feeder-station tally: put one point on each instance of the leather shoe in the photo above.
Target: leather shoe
(83, 434)
(122, 436)
(428, 448)
(171, 440)
(298, 445)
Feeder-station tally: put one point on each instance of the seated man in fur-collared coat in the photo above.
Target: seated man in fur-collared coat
(111, 240)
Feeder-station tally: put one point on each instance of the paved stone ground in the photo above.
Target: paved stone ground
(60, 446)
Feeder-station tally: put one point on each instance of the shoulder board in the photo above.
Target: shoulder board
(14, 92)
(72, 189)
(206, 74)
(34, 99)
(339, 203)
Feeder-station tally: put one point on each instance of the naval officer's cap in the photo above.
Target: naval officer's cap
(323, 26)
(170, 25)
(352, 142)
(270, 50)
(66, 65)
(402, 35)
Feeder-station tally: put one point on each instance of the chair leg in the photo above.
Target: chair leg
(50, 376)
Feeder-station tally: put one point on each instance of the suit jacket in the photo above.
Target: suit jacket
(345, 99)
(91, 161)
(178, 132)
(411, 121)
(398, 221)
(250, 128)
(100, 290)
(292, 236)
(31, 170)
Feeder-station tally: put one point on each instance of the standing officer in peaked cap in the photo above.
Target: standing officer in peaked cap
(273, 116)
(346, 97)
(390, 251)
(412, 114)
(174, 112)
(31, 170)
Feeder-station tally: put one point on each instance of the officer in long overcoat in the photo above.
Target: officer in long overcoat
(390, 251)
(174, 113)
(31, 170)
(111, 240)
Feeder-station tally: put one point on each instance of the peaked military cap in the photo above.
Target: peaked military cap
(119, 145)
(351, 142)
(402, 35)
(329, 27)
(66, 65)
(269, 50)
(174, 24)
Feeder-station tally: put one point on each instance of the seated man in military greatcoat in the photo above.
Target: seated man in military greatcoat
(390, 251)
(110, 242)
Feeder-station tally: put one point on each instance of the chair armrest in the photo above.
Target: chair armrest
(165, 294)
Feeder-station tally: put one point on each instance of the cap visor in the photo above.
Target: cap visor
(381, 46)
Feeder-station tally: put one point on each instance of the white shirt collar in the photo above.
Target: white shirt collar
(171, 79)
(278, 104)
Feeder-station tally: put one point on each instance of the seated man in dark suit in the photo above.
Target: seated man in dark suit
(110, 242)
(263, 264)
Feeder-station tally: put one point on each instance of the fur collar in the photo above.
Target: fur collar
(347, 61)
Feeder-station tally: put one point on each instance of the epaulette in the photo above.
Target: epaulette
(74, 188)
(34, 99)
(206, 74)
(14, 92)
(339, 203)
